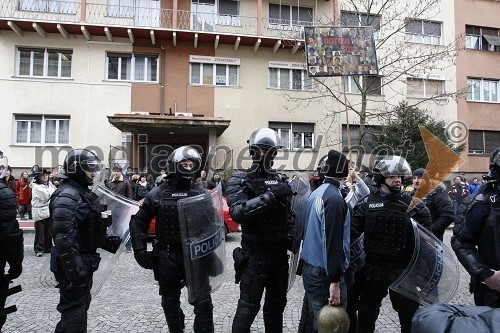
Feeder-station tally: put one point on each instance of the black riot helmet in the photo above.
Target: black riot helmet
(177, 167)
(390, 166)
(495, 164)
(264, 139)
(77, 163)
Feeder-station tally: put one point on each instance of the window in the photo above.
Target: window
(371, 85)
(294, 135)
(483, 142)
(132, 67)
(355, 137)
(480, 38)
(44, 62)
(39, 129)
(351, 19)
(49, 6)
(214, 74)
(425, 32)
(483, 90)
(289, 17)
(294, 79)
(425, 88)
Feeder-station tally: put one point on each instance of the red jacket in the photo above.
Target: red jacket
(23, 193)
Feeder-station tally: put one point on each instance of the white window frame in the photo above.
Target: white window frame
(481, 83)
(422, 38)
(45, 69)
(214, 75)
(51, 6)
(304, 78)
(43, 129)
(352, 85)
(377, 33)
(149, 58)
(289, 145)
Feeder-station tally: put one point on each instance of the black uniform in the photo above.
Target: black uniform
(167, 259)
(78, 231)
(259, 201)
(476, 242)
(389, 243)
(441, 211)
(11, 246)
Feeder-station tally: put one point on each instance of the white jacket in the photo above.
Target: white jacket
(40, 195)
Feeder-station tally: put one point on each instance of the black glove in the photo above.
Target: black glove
(282, 190)
(144, 259)
(15, 271)
(81, 281)
(112, 244)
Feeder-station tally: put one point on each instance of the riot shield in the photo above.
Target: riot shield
(201, 221)
(301, 185)
(120, 209)
(432, 275)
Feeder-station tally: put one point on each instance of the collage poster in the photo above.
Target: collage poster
(340, 51)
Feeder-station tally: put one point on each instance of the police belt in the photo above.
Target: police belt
(383, 263)
(264, 249)
(167, 247)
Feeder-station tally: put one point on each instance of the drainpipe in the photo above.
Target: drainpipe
(174, 14)
(162, 81)
(83, 10)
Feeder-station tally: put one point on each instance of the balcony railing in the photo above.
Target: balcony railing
(155, 18)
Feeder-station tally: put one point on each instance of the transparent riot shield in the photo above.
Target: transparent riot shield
(299, 184)
(201, 221)
(120, 209)
(432, 275)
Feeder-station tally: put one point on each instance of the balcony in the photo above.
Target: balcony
(156, 19)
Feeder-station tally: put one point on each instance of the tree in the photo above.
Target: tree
(402, 135)
(401, 63)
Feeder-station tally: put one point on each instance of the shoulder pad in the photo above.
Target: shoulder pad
(479, 198)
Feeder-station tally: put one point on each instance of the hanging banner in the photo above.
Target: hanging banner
(340, 51)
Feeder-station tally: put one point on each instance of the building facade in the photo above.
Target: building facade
(134, 79)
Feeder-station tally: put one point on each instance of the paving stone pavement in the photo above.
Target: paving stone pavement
(129, 299)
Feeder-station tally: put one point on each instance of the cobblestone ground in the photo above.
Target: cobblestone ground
(129, 300)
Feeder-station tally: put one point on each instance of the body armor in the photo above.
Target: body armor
(388, 229)
(167, 222)
(273, 225)
(489, 239)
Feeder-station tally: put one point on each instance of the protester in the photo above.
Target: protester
(327, 218)
(215, 181)
(142, 188)
(41, 192)
(458, 191)
(8, 179)
(161, 178)
(474, 186)
(23, 194)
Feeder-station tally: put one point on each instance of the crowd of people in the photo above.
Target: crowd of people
(343, 208)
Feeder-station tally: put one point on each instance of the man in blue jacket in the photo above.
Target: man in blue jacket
(326, 239)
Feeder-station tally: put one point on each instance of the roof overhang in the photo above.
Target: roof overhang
(161, 124)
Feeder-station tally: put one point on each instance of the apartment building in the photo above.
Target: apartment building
(132, 79)
(478, 75)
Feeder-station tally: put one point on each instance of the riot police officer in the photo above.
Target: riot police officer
(259, 201)
(167, 259)
(388, 241)
(11, 242)
(476, 240)
(78, 230)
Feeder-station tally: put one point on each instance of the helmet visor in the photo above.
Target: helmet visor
(264, 138)
(91, 165)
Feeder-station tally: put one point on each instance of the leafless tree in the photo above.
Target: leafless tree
(397, 59)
